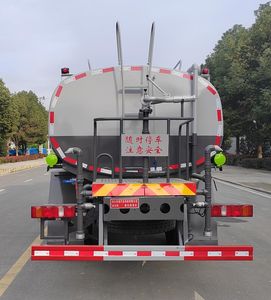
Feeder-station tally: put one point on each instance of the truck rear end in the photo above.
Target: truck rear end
(135, 147)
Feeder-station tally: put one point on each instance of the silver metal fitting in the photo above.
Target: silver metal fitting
(200, 204)
(88, 206)
(208, 233)
(80, 236)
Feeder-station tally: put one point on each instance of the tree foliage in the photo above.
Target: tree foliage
(8, 114)
(31, 125)
(240, 68)
(23, 119)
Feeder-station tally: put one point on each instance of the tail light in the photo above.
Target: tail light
(233, 210)
(53, 211)
(205, 71)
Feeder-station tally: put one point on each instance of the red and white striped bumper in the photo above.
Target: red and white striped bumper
(140, 253)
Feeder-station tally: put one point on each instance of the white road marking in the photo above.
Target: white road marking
(2, 190)
(197, 296)
(244, 189)
(28, 180)
(45, 174)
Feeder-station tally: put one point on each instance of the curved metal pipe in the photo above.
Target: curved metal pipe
(111, 158)
(208, 187)
(120, 61)
(80, 235)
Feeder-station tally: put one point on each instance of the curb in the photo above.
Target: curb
(20, 168)
(243, 185)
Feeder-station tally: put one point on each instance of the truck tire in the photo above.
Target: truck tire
(141, 227)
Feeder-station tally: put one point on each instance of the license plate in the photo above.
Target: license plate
(124, 203)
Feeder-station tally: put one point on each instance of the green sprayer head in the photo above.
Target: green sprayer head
(219, 159)
(51, 160)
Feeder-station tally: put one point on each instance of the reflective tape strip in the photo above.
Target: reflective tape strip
(143, 189)
(187, 76)
(156, 188)
(51, 129)
(105, 171)
(241, 253)
(80, 76)
(70, 160)
(208, 86)
(60, 152)
(108, 70)
(97, 72)
(54, 142)
(135, 189)
(214, 253)
(155, 70)
(71, 253)
(84, 252)
(165, 71)
(220, 130)
(100, 253)
(41, 253)
(218, 140)
(176, 73)
(136, 68)
(129, 253)
(186, 253)
(75, 78)
(158, 253)
(219, 115)
(54, 101)
(126, 68)
(204, 82)
(52, 117)
(59, 90)
(132, 68)
(69, 79)
(218, 104)
(211, 90)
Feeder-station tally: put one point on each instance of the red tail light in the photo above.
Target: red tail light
(234, 210)
(205, 71)
(53, 211)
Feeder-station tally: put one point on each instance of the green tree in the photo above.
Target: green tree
(8, 117)
(228, 73)
(240, 68)
(32, 121)
(259, 79)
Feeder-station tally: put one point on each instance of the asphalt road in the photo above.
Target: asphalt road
(131, 280)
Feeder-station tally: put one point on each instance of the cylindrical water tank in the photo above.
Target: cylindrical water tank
(98, 94)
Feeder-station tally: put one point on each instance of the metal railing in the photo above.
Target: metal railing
(185, 121)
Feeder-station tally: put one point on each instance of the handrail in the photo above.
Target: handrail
(121, 120)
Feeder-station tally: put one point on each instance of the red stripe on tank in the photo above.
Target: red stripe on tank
(164, 71)
(54, 142)
(219, 115)
(59, 90)
(52, 117)
(79, 76)
(106, 70)
(210, 89)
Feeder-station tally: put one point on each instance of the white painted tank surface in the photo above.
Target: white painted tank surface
(80, 98)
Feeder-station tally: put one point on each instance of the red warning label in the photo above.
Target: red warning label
(124, 203)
